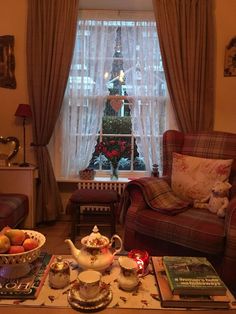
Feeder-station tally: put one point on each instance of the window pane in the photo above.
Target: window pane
(116, 67)
(114, 124)
(113, 147)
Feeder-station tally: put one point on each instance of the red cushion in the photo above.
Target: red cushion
(89, 196)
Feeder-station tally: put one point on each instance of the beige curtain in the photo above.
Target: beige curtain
(51, 31)
(186, 34)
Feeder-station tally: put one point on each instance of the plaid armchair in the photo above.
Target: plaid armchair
(193, 232)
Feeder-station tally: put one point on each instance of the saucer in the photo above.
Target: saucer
(76, 305)
(101, 300)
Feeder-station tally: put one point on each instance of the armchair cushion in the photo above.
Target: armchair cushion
(193, 177)
(199, 230)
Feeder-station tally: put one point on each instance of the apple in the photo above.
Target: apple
(4, 244)
(16, 236)
(30, 244)
(16, 249)
(4, 229)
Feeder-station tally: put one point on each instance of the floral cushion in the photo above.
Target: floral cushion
(193, 177)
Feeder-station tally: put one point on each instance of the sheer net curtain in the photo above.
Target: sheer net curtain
(84, 101)
(146, 82)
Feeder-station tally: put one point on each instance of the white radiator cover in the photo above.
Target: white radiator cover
(102, 184)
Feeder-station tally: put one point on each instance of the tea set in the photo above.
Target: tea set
(94, 258)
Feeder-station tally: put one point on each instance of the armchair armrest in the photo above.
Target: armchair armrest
(229, 260)
(150, 192)
(136, 194)
(137, 198)
(132, 200)
(230, 229)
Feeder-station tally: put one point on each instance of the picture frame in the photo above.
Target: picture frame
(230, 58)
(7, 62)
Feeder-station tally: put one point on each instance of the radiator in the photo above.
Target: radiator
(99, 184)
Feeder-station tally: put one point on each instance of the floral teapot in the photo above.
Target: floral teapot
(96, 252)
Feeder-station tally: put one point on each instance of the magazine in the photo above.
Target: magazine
(29, 286)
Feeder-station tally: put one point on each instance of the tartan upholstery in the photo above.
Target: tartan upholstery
(215, 145)
(159, 196)
(197, 231)
(13, 209)
(89, 196)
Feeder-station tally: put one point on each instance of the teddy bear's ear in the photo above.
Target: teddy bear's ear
(228, 185)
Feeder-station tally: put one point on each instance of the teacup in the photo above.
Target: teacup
(89, 284)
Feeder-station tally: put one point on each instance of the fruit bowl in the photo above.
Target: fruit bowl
(18, 265)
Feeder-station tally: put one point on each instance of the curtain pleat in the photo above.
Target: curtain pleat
(186, 35)
(51, 29)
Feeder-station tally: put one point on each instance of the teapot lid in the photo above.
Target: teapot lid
(95, 239)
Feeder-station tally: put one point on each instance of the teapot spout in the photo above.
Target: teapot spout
(74, 251)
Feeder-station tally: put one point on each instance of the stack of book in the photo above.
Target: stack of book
(190, 282)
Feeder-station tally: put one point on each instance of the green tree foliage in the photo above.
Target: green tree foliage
(116, 125)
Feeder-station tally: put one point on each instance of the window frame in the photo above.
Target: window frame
(112, 15)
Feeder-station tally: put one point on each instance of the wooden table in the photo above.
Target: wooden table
(42, 310)
(47, 309)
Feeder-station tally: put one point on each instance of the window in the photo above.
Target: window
(116, 90)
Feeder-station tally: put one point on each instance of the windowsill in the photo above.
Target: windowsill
(102, 176)
(105, 177)
(96, 179)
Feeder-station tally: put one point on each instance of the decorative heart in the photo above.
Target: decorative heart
(12, 146)
(116, 104)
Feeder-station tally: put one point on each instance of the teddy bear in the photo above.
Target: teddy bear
(217, 201)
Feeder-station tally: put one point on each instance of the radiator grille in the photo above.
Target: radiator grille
(118, 186)
(98, 185)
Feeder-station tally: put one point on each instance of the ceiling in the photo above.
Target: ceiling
(136, 5)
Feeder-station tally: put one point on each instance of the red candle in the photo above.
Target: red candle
(141, 257)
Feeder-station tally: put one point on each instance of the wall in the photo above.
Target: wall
(13, 20)
(225, 113)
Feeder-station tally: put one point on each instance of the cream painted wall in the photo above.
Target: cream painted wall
(13, 22)
(225, 113)
(13, 18)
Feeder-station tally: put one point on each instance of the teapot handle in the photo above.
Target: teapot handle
(113, 239)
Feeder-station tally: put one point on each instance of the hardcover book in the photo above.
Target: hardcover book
(29, 286)
(193, 275)
(168, 299)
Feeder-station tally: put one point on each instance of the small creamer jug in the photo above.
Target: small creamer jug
(59, 274)
(128, 278)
